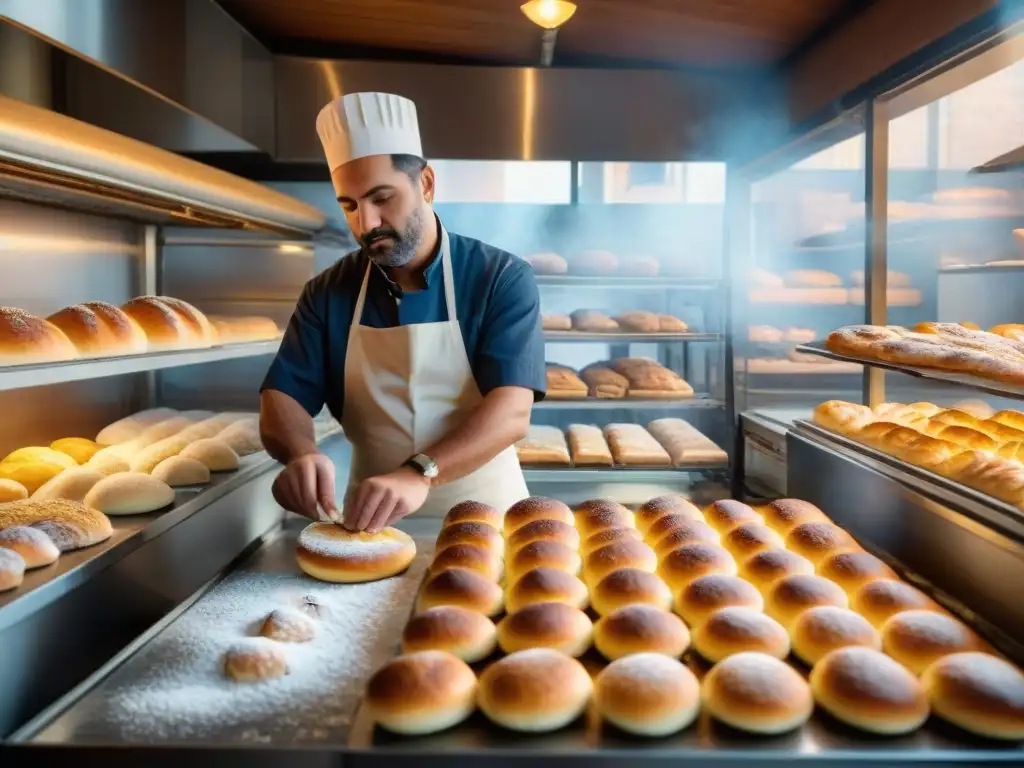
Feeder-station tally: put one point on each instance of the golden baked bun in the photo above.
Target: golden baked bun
(691, 561)
(11, 490)
(212, 452)
(535, 508)
(31, 475)
(647, 694)
(421, 693)
(543, 554)
(147, 459)
(757, 693)
(546, 625)
(130, 427)
(544, 530)
(614, 557)
(704, 596)
(108, 463)
(466, 634)
(34, 546)
(793, 595)
(164, 328)
(255, 659)
(68, 524)
(747, 540)
(783, 515)
(35, 453)
(471, 558)
(666, 524)
(866, 689)
(98, 329)
(546, 585)
(640, 628)
(977, 692)
(659, 506)
(770, 566)
(26, 339)
(242, 437)
(878, 601)
(78, 448)
(916, 639)
(692, 532)
(1013, 419)
(842, 417)
(726, 514)
(462, 588)
(735, 629)
(178, 471)
(606, 537)
(72, 484)
(477, 534)
(328, 552)
(12, 569)
(474, 512)
(198, 324)
(155, 433)
(629, 586)
(600, 515)
(534, 691)
(852, 570)
(288, 625)
(818, 541)
(129, 493)
(825, 628)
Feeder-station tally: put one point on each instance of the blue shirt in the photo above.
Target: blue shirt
(496, 300)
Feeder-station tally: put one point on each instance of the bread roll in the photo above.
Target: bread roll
(157, 432)
(255, 659)
(588, 446)
(878, 601)
(547, 263)
(473, 512)
(556, 322)
(629, 586)
(639, 321)
(595, 263)
(546, 625)
(544, 530)
(288, 625)
(12, 569)
(750, 538)
(647, 694)
(178, 471)
(793, 595)
(682, 534)
(769, 566)
(34, 454)
(331, 553)
(30, 475)
(546, 585)
(11, 490)
(977, 692)
(663, 526)
(147, 459)
(107, 462)
(164, 328)
(786, 514)
(199, 327)
(691, 561)
(1012, 419)
(640, 628)
(469, 557)
(668, 504)
(215, 454)
(129, 493)
(534, 691)
(26, 339)
(478, 534)
(819, 541)
(543, 554)
(543, 445)
(600, 514)
(78, 448)
(735, 629)
(69, 524)
(918, 638)
(705, 596)
(535, 508)
(606, 537)
(612, 557)
(466, 634)
(812, 278)
(852, 570)
(71, 484)
(98, 329)
(421, 693)
(242, 437)
(593, 321)
(462, 588)
(34, 547)
(825, 628)
(866, 689)
(727, 514)
(758, 693)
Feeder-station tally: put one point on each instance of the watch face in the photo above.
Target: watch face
(426, 465)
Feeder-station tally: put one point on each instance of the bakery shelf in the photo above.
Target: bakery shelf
(625, 403)
(624, 337)
(611, 282)
(964, 380)
(19, 376)
(616, 474)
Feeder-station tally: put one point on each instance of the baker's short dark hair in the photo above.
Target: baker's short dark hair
(410, 165)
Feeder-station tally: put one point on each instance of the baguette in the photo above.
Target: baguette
(632, 445)
(588, 446)
(543, 445)
(842, 417)
(685, 444)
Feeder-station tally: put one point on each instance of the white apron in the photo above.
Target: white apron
(405, 389)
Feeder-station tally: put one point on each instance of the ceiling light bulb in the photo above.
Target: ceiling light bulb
(549, 14)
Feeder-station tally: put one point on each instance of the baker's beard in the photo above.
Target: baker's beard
(404, 246)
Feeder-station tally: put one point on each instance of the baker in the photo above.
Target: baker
(424, 344)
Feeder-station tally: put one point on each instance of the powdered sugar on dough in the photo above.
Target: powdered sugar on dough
(358, 547)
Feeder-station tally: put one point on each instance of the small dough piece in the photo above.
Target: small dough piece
(129, 493)
(80, 449)
(331, 553)
(178, 471)
(34, 546)
(71, 484)
(288, 625)
(647, 694)
(758, 693)
(421, 693)
(214, 453)
(12, 569)
(254, 659)
(10, 490)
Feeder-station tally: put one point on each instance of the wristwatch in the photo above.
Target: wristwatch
(423, 464)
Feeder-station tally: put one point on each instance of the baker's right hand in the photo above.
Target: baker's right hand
(306, 486)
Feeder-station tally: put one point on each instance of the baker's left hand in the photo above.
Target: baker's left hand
(380, 501)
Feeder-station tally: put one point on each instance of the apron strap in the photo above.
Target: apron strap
(446, 271)
(357, 317)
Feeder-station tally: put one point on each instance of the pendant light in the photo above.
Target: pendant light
(549, 14)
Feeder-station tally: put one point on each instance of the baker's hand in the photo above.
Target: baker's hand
(306, 486)
(383, 500)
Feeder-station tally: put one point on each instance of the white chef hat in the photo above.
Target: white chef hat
(365, 124)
